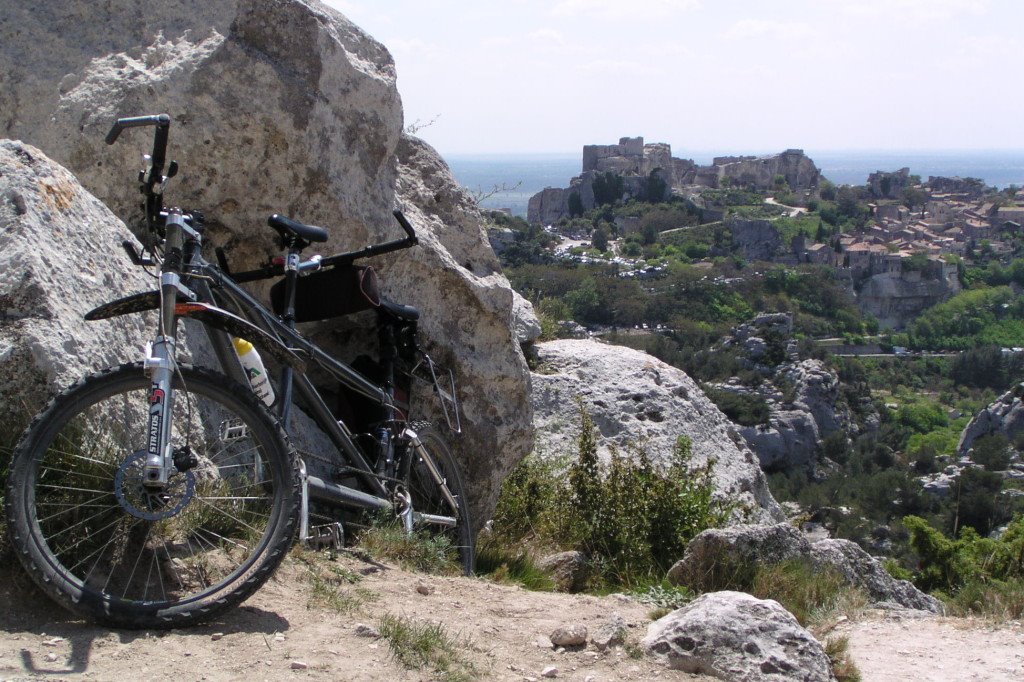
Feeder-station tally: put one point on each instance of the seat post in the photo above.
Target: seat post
(291, 276)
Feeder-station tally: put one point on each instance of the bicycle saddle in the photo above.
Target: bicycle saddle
(296, 235)
(402, 312)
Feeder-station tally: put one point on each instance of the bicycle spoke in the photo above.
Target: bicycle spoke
(87, 503)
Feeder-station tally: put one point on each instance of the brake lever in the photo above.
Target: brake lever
(134, 256)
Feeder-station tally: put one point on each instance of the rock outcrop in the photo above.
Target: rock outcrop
(861, 569)
(55, 243)
(759, 172)
(804, 397)
(895, 299)
(736, 637)
(637, 400)
(1005, 416)
(278, 106)
(715, 552)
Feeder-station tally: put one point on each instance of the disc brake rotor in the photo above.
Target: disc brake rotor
(145, 503)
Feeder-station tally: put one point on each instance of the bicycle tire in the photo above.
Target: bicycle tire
(93, 539)
(426, 495)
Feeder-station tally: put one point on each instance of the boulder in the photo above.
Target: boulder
(525, 324)
(636, 400)
(278, 106)
(1005, 416)
(734, 636)
(720, 553)
(788, 441)
(862, 570)
(568, 570)
(56, 240)
(747, 546)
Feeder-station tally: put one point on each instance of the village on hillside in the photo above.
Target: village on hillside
(902, 257)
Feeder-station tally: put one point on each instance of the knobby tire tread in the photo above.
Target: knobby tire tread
(57, 585)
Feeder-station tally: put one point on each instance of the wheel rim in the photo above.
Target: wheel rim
(94, 529)
(427, 498)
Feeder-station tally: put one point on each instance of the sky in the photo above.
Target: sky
(548, 76)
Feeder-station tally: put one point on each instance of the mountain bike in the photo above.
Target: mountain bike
(157, 493)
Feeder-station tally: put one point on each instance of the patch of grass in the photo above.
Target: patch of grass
(508, 565)
(838, 651)
(427, 645)
(332, 586)
(997, 600)
(418, 551)
(813, 594)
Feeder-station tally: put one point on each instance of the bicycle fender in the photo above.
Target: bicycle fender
(218, 318)
(136, 303)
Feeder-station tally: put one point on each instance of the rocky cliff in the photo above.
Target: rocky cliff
(637, 400)
(896, 300)
(1004, 416)
(278, 106)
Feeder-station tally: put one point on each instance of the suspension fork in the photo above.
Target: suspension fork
(159, 363)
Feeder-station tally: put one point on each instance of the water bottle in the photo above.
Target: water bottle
(254, 369)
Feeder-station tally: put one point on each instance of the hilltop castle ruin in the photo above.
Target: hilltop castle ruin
(644, 168)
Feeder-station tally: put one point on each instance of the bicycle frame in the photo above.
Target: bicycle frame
(192, 287)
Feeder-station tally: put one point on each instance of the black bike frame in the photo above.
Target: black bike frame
(252, 310)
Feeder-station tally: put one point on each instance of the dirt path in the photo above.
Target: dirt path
(501, 632)
(888, 647)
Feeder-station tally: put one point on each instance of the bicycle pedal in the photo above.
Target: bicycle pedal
(326, 536)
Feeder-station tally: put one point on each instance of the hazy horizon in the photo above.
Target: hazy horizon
(538, 76)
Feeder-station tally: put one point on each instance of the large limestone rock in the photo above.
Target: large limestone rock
(788, 441)
(895, 300)
(278, 106)
(745, 545)
(637, 400)
(718, 553)
(759, 172)
(861, 569)
(1004, 416)
(736, 637)
(55, 246)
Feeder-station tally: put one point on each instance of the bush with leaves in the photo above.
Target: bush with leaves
(976, 574)
(631, 519)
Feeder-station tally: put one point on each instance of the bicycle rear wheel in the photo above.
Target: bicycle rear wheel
(101, 544)
(427, 496)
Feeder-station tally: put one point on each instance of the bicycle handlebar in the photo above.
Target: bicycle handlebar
(154, 175)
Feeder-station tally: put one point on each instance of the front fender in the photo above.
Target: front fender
(208, 314)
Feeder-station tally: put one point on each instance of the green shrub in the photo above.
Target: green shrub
(743, 409)
(631, 519)
(949, 564)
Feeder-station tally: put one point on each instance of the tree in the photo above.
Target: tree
(655, 188)
(608, 188)
(600, 238)
(914, 196)
(575, 205)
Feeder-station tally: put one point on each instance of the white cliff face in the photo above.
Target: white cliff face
(637, 400)
(278, 106)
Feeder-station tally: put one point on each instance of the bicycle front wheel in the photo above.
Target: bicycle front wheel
(428, 497)
(105, 546)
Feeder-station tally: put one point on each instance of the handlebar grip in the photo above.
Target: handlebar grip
(121, 124)
(400, 217)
